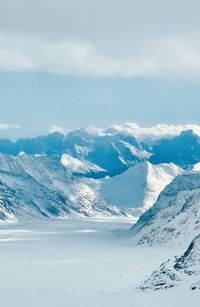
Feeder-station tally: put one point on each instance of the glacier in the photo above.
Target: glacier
(81, 263)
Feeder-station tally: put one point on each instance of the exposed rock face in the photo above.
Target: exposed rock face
(39, 187)
(175, 217)
(184, 269)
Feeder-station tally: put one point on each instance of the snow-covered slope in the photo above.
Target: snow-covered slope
(180, 270)
(39, 187)
(196, 167)
(137, 189)
(175, 217)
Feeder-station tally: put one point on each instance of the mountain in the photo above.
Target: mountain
(183, 150)
(113, 153)
(174, 221)
(137, 189)
(175, 217)
(116, 148)
(196, 167)
(116, 153)
(180, 270)
(39, 187)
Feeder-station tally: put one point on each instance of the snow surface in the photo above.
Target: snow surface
(184, 269)
(138, 188)
(196, 167)
(81, 264)
(39, 187)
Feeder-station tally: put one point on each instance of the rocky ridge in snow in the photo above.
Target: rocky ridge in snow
(181, 270)
(39, 187)
(175, 217)
(174, 221)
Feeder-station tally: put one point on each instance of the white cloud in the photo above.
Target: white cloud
(96, 131)
(129, 38)
(154, 58)
(155, 132)
(6, 126)
(78, 166)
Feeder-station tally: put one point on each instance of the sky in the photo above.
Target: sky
(68, 64)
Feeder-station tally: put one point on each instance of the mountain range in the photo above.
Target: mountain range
(123, 166)
(117, 148)
(152, 174)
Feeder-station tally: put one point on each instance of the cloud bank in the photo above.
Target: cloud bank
(153, 39)
(139, 132)
(6, 126)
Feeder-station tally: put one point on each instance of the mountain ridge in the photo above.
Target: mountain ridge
(138, 188)
(39, 187)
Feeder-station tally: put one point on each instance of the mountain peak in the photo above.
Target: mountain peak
(188, 133)
(139, 186)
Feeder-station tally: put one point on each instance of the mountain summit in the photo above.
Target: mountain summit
(137, 189)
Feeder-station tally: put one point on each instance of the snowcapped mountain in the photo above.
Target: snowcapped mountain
(116, 148)
(137, 189)
(174, 221)
(178, 271)
(183, 150)
(196, 167)
(39, 187)
(175, 217)
(113, 153)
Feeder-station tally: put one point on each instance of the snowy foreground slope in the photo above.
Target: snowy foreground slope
(137, 189)
(184, 269)
(174, 221)
(80, 263)
(39, 187)
(175, 217)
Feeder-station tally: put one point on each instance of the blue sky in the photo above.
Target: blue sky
(60, 65)
(37, 101)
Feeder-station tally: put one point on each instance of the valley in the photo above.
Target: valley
(81, 263)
